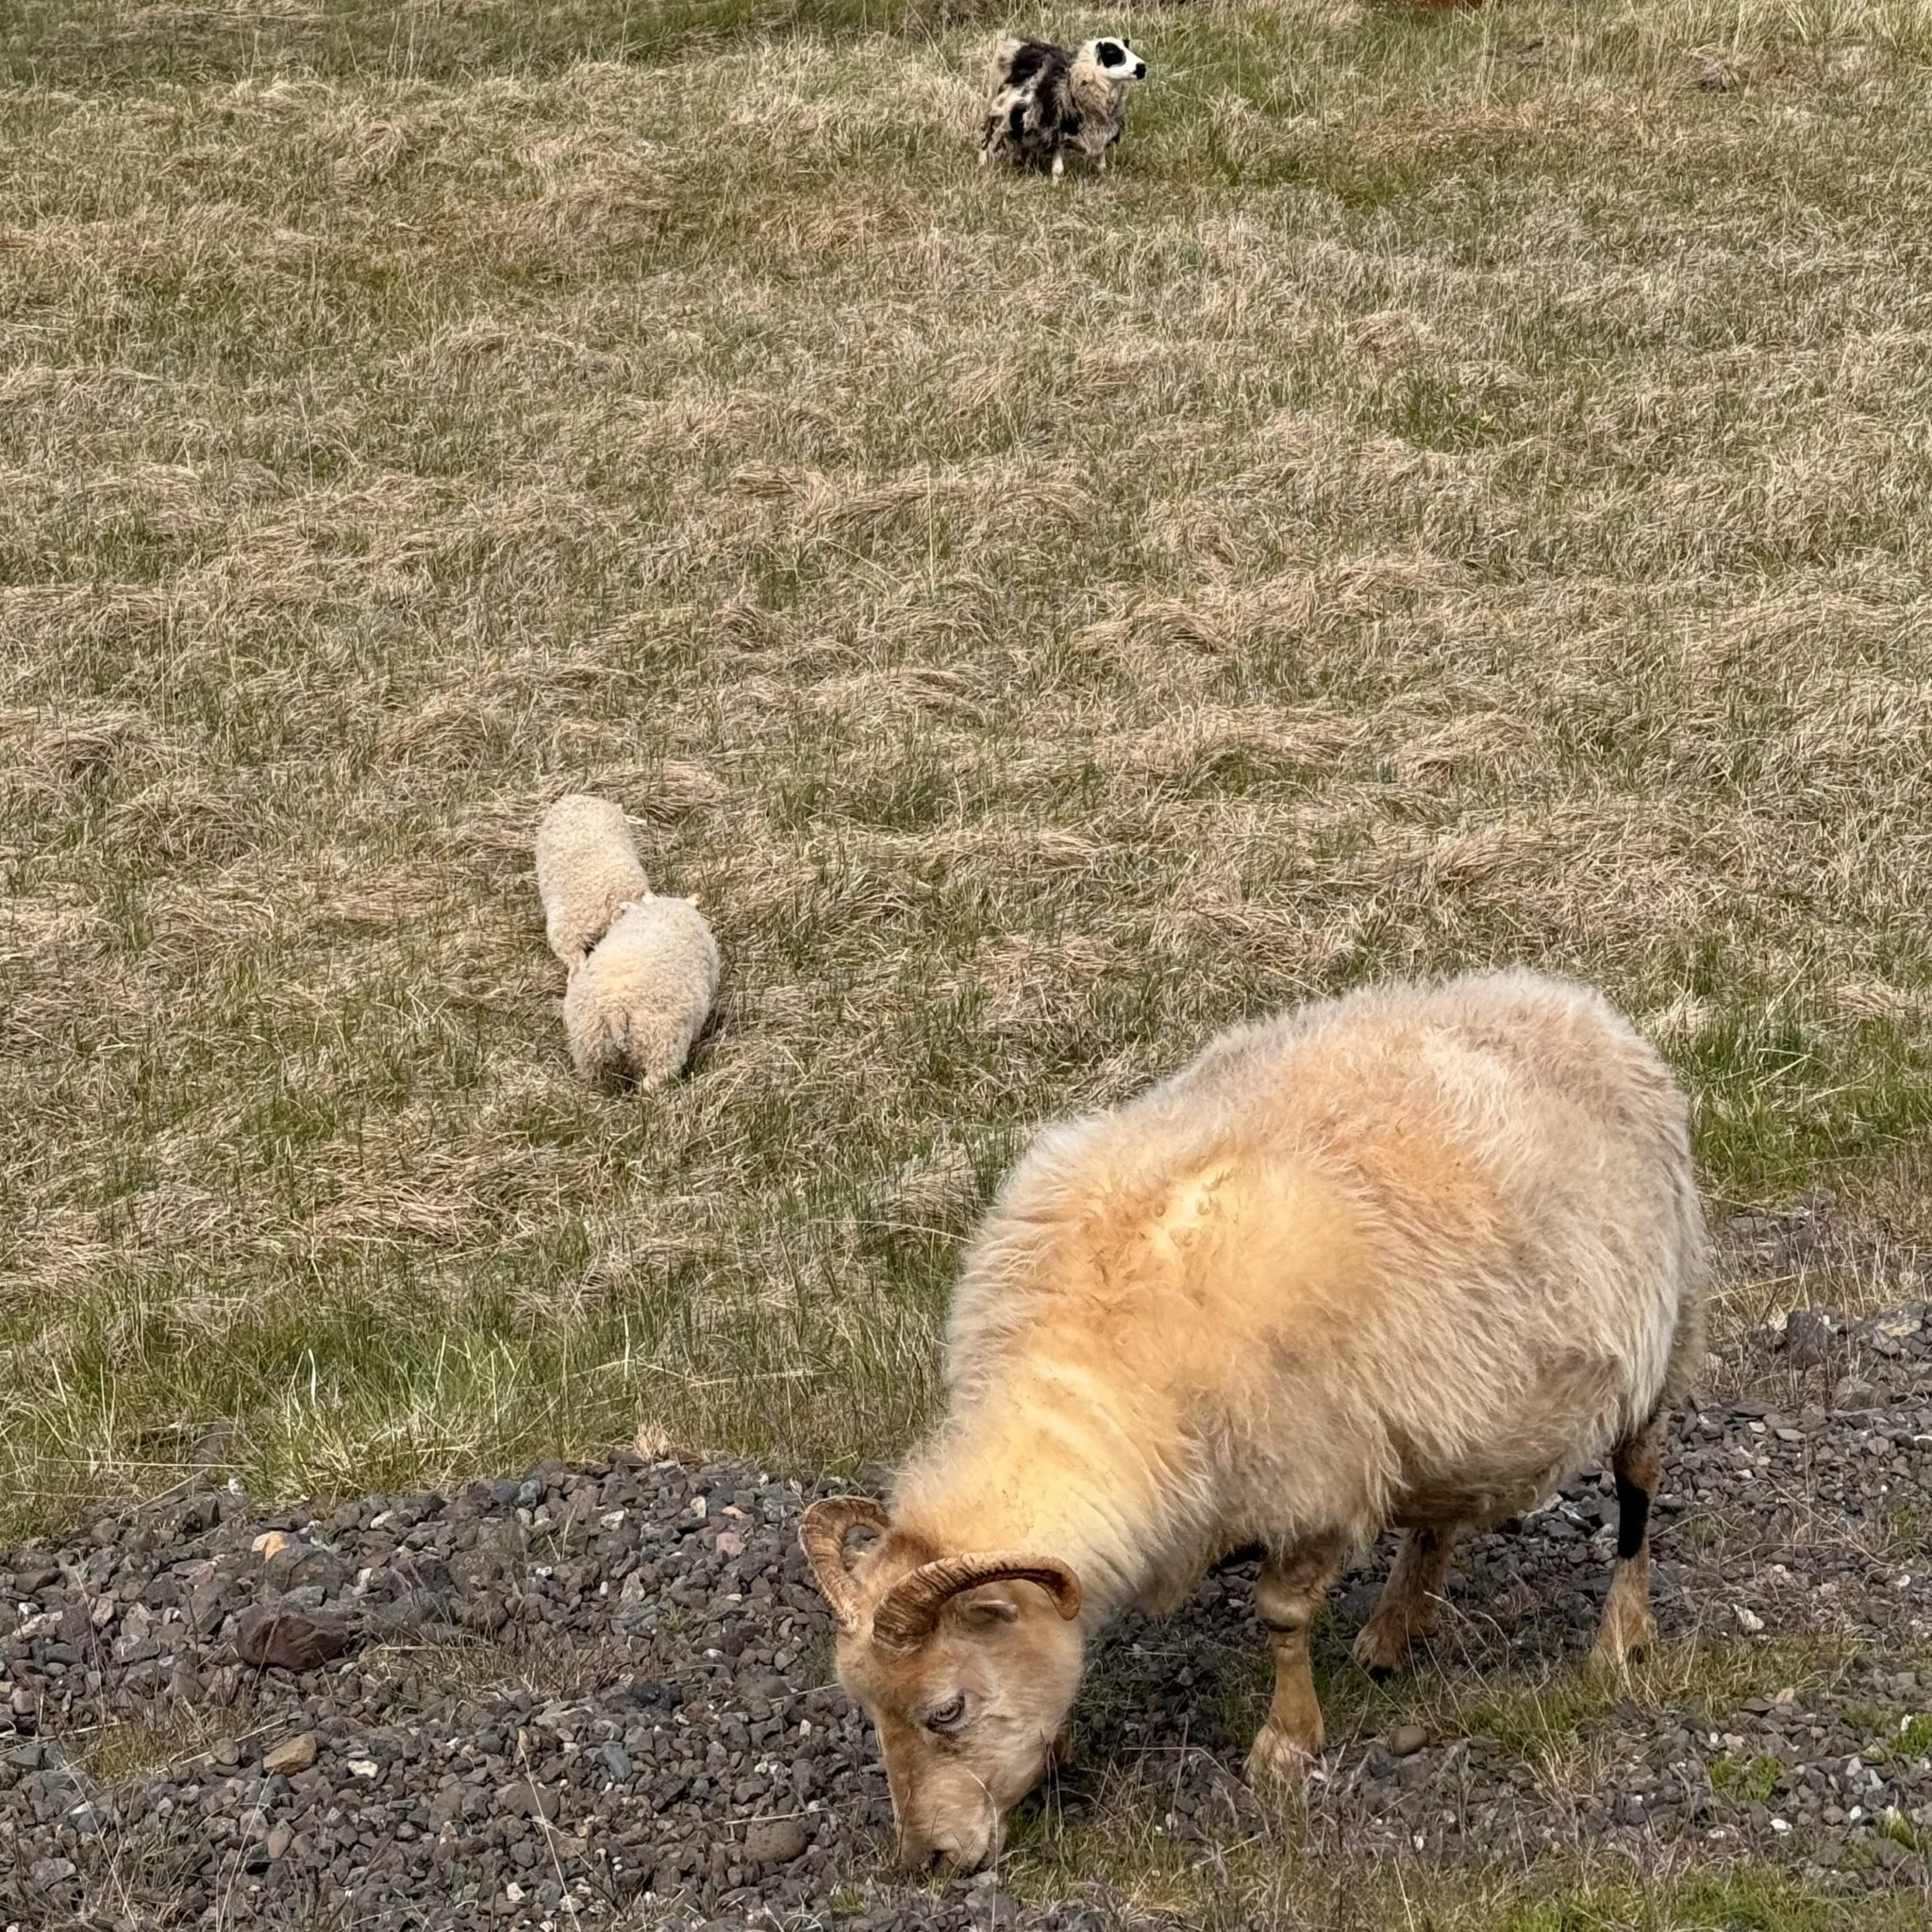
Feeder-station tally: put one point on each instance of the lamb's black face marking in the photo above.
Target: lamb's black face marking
(1111, 53)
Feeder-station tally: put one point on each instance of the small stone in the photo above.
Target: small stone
(525, 1800)
(364, 1768)
(1748, 1620)
(776, 1843)
(293, 1754)
(47, 1872)
(1853, 1393)
(1405, 1741)
(268, 1543)
(1806, 1339)
(730, 1543)
(279, 1838)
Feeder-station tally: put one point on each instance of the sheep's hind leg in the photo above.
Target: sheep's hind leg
(1286, 1596)
(1409, 1600)
(1627, 1629)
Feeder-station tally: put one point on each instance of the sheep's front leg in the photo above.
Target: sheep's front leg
(1406, 1607)
(1627, 1629)
(1286, 1596)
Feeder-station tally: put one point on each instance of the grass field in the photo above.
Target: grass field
(1459, 491)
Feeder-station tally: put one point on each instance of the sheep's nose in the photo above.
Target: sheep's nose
(1140, 71)
(915, 1853)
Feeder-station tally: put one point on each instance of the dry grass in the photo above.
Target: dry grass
(1458, 493)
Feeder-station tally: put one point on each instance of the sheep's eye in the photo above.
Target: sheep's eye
(946, 1716)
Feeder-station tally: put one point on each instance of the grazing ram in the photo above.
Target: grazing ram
(1412, 1256)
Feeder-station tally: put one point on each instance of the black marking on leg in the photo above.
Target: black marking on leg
(1633, 1517)
(1380, 1673)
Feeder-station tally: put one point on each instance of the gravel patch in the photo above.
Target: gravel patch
(600, 1693)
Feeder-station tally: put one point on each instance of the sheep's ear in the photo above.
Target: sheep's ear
(910, 1610)
(988, 1612)
(821, 1532)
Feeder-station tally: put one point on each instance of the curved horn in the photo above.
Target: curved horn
(911, 1608)
(822, 1532)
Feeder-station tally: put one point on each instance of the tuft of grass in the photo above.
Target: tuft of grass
(126, 1748)
(1454, 492)
(1755, 1778)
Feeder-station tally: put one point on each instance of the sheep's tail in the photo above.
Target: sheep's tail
(611, 1047)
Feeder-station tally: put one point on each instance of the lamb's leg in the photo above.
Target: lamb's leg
(1286, 1596)
(1060, 164)
(1406, 1607)
(1627, 1629)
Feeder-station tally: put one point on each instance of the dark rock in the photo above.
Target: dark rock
(276, 1638)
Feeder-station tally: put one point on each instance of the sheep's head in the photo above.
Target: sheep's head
(1115, 59)
(967, 1666)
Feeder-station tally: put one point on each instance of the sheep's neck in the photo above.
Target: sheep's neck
(1047, 1467)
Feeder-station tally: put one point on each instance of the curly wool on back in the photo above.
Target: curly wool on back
(636, 1006)
(586, 869)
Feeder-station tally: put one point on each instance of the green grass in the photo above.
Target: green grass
(1261, 1881)
(1755, 1778)
(1551, 1717)
(1455, 492)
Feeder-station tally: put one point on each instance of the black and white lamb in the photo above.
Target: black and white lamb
(1042, 99)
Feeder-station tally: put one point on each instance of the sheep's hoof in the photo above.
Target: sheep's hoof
(1626, 1636)
(1280, 1759)
(1382, 1649)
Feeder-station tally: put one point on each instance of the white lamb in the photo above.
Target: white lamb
(587, 868)
(635, 1006)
